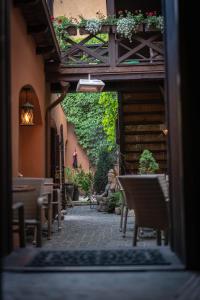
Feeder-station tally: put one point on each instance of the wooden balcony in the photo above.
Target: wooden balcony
(111, 57)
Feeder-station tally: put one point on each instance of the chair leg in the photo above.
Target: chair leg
(125, 221)
(49, 221)
(22, 227)
(38, 235)
(135, 233)
(158, 237)
(121, 219)
(166, 235)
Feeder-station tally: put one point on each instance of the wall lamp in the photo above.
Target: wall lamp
(26, 109)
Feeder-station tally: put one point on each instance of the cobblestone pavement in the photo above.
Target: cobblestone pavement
(86, 228)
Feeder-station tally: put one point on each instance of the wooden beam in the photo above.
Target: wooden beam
(130, 113)
(110, 5)
(145, 142)
(150, 146)
(94, 69)
(139, 151)
(26, 2)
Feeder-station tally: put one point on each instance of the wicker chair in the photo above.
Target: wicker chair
(147, 196)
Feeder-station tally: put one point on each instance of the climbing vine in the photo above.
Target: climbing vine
(109, 103)
(87, 112)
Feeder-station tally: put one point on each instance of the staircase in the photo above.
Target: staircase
(141, 120)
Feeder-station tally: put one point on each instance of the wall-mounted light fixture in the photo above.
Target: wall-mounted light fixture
(90, 85)
(164, 129)
(26, 109)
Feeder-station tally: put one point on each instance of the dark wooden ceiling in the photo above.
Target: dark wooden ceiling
(38, 19)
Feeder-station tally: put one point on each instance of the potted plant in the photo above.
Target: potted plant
(84, 181)
(154, 22)
(114, 203)
(64, 26)
(128, 25)
(147, 163)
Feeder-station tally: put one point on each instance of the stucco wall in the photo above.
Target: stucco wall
(26, 68)
(58, 117)
(87, 8)
(73, 144)
(69, 137)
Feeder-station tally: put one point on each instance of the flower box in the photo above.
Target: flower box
(140, 28)
(151, 28)
(71, 30)
(82, 31)
(105, 28)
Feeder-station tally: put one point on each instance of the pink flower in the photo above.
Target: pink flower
(52, 18)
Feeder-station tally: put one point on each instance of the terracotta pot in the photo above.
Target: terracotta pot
(71, 30)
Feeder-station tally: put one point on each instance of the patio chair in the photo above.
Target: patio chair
(48, 189)
(147, 196)
(18, 224)
(34, 204)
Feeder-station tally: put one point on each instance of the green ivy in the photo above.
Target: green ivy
(109, 103)
(85, 112)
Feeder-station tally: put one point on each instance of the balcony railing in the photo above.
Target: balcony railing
(146, 48)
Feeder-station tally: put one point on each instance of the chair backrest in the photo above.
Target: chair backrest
(29, 198)
(146, 196)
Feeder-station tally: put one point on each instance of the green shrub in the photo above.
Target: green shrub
(147, 163)
(114, 200)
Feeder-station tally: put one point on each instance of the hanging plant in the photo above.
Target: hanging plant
(127, 26)
(152, 20)
(93, 26)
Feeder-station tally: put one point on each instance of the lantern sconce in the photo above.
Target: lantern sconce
(164, 129)
(26, 109)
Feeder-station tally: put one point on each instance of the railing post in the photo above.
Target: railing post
(112, 50)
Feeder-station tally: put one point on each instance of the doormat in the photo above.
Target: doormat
(98, 258)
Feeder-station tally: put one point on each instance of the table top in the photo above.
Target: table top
(22, 188)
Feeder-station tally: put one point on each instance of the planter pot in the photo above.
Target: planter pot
(118, 210)
(69, 190)
(140, 28)
(82, 31)
(76, 194)
(71, 30)
(105, 29)
(151, 28)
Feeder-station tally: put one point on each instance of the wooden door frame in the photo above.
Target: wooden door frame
(5, 131)
(182, 88)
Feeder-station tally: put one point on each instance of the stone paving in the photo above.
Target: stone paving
(86, 228)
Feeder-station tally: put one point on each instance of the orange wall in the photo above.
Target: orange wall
(69, 137)
(70, 147)
(87, 8)
(26, 68)
(59, 118)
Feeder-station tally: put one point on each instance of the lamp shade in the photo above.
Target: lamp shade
(90, 85)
